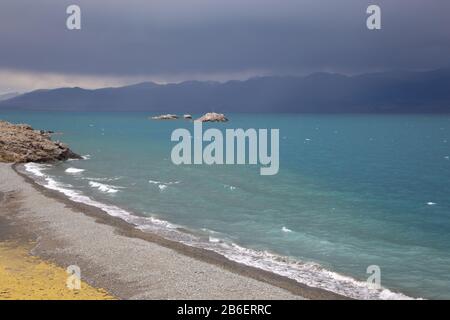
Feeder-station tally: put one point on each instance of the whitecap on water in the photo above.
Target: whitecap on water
(103, 187)
(74, 170)
(162, 185)
(307, 273)
(102, 179)
(284, 229)
(214, 240)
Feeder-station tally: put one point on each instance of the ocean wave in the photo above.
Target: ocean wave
(311, 274)
(104, 187)
(74, 170)
(214, 240)
(103, 179)
(35, 169)
(162, 185)
(284, 229)
(160, 182)
(308, 273)
(75, 195)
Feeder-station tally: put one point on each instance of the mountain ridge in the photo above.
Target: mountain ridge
(391, 92)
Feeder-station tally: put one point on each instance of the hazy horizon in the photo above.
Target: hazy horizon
(219, 81)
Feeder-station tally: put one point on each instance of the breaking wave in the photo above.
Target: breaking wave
(308, 273)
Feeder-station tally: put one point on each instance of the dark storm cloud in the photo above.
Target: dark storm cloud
(138, 37)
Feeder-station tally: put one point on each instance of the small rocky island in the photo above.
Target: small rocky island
(20, 143)
(166, 117)
(213, 117)
(208, 117)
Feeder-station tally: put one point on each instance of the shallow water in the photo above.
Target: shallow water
(352, 191)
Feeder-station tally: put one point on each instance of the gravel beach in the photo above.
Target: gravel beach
(128, 263)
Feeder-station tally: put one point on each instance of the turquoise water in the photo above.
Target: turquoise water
(352, 191)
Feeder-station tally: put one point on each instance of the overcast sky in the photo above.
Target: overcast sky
(129, 41)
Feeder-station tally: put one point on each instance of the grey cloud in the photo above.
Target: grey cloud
(138, 37)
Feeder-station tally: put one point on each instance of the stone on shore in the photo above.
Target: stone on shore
(213, 117)
(21, 143)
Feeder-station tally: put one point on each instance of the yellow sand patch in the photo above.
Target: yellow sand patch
(23, 276)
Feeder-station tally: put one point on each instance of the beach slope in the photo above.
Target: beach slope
(127, 263)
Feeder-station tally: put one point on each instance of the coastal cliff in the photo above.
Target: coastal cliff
(20, 143)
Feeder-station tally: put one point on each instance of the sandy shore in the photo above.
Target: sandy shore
(126, 262)
(23, 276)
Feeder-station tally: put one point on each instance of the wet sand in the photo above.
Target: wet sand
(126, 262)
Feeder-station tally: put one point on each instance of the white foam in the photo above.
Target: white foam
(209, 231)
(308, 273)
(102, 179)
(86, 157)
(77, 196)
(284, 229)
(74, 170)
(162, 185)
(431, 203)
(214, 240)
(160, 182)
(35, 169)
(103, 187)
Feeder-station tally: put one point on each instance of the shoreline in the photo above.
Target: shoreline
(266, 285)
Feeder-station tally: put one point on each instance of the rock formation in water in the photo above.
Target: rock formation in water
(213, 117)
(166, 117)
(21, 143)
(187, 116)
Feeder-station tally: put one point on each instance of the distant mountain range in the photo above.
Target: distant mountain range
(387, 92)
(6, 96)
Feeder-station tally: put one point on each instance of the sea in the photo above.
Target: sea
(356, 196)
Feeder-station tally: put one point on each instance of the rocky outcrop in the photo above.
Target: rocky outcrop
(213, 117)
(166, 117)
(187, 116)
(21, 143)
